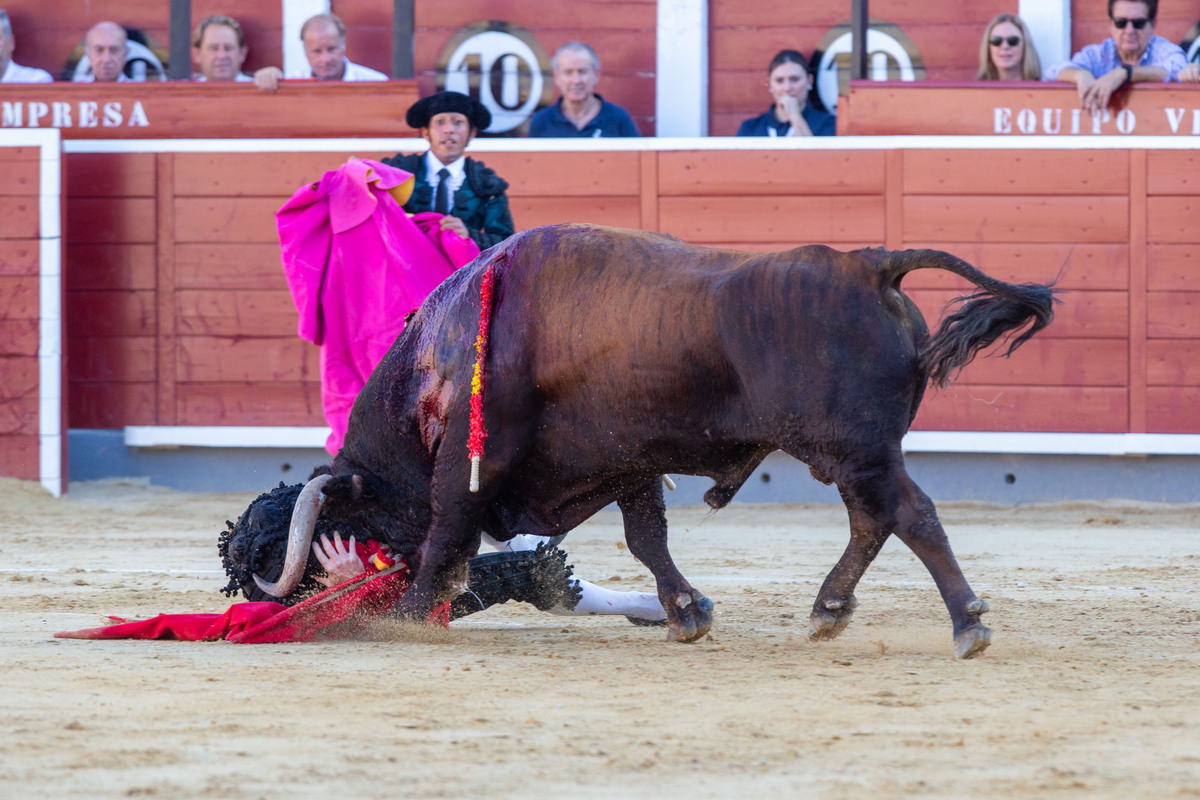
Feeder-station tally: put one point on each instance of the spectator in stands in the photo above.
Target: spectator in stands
(324, 37)
(219, 48)
(579, 111)
(1132, 54)
(789, 81)
(1007, 52)
(106, 48)
(11, 71)
(471, 195)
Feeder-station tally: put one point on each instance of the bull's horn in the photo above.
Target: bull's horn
(300, 536)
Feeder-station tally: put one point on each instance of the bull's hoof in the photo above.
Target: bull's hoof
(829, 619)
(972, 641)
(691, 618)
(411, 608)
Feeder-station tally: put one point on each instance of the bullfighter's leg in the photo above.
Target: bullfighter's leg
(689, 613)
(639, 607)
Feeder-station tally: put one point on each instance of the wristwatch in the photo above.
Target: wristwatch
(1128, 72)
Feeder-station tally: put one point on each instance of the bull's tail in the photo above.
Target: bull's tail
(998, 311)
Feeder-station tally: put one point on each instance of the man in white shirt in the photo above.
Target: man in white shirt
(106, 48)
(219, 48)
(324, 37)
(11, 71)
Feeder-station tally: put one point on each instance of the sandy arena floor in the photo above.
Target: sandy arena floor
(1091, 687)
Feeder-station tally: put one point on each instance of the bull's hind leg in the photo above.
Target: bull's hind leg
(689, 613)
(882, 499)
(918, 527)
(835, 602)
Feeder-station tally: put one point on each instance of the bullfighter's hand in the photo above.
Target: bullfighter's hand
(340, 561)
(453, 223)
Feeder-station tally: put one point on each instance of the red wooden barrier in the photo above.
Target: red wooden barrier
(30, 363)
(1014, 109)
(209, 110)
(181, 317)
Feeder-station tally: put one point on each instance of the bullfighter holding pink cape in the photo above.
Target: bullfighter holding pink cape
(356, 265)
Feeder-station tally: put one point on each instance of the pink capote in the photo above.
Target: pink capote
(356, 265)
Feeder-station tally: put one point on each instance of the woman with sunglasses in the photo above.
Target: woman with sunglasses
(1132, 54)
(1007, 52)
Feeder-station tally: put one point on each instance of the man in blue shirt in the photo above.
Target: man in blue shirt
(1133, 54)
(580, 112)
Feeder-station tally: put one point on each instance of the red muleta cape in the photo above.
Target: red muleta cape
(336, 613)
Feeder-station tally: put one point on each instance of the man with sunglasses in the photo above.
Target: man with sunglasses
(1132, 54)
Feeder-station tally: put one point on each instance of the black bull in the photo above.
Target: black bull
(617, 356)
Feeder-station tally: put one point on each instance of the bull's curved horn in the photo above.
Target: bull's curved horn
(300, 536)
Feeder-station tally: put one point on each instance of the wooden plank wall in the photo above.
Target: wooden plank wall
(1032, 216)
(19, 311)
(178, 312)
(1168, 277)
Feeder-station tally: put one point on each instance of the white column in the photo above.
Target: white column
(681, 93)
(1049, 23)
(295, 12)
(50, 319)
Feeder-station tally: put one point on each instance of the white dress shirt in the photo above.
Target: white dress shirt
(458, 174)
(354, 72)
(15, 73)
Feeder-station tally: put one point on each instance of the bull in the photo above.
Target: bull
(617, 356)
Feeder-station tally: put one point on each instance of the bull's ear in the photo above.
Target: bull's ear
(347, 488)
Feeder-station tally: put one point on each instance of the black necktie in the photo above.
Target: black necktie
(441, 203)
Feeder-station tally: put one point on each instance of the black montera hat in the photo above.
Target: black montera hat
(423, 110)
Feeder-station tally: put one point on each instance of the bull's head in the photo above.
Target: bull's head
(267, 553)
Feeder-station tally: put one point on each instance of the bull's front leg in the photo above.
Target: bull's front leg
(689, 613)
(441, 570)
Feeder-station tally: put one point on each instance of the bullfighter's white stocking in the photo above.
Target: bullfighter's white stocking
(594, 599)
